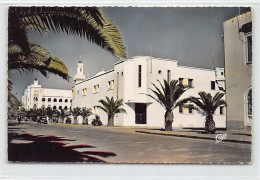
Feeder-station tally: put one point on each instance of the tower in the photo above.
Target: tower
(79, 75)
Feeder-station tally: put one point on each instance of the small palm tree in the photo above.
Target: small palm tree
(207, 105)
(111, 107)
(49, 113)
(63, 114)
(85, 113)
(76, 112)
(168, 96)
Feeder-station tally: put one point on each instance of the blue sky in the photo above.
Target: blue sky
(187, 34)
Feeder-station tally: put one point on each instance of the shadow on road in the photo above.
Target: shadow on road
(40, 148)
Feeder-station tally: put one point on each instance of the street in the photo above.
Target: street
(132, 147)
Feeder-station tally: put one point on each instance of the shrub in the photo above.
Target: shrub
(68, 120)
(96, 121)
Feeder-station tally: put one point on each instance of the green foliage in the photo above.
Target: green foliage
(96, 121)
(14, 105)
(68, 120)
(111, 106)
(85, 113)
(207, 105)
(86, 22)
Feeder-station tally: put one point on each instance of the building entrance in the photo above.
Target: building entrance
(140, 113)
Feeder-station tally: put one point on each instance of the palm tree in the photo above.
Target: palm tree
(168, 96)
(49, 113)
(111, 107)
(86, 22)
(63, 113)
(207, 105)
(85, 113)
(38, 59)
(76, 112)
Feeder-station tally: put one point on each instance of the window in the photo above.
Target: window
(190, 83)
(221, 110)
(249, 48)
(213, 85)
(180, 109)
(35, 99)
(96, 89)
(43, 99)
(60, 107)
(43, 106)
(54, 107)
(49, 99)
(181, 80)
(190, 109)
(95, 109)
(54, 100)
(139, 75)
(84, 92)
(66, 100)
(122, 73)
(111, 84)
(168, 75)
(60, 100)
(222, 73)
(159, 72)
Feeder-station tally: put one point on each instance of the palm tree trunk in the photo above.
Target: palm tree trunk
(110, 120)
(75, 120)
(168, 116)
(210, 127)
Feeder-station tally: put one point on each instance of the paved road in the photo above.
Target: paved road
(132, 147)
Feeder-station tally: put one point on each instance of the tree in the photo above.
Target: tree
(49, 113)
(13, 105)
(38, 59)
(63, 113)
(86, 22)
(111, 107)
(76, 112)
(168, 96)
(85, 113)
(207, 105)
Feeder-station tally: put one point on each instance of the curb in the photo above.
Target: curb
(195, 137)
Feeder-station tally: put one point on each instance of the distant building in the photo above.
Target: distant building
(238, 67)
(37, 97)
(130, 78)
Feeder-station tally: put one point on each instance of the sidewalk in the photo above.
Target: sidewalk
(226, 136)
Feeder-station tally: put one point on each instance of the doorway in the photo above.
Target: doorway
(140, 113)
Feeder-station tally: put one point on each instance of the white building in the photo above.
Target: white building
(132, 77)
(36, 97)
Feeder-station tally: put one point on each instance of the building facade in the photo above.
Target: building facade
(37, 97)
(238, 67)
(132, 79)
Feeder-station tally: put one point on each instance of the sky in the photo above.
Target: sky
(186, 34)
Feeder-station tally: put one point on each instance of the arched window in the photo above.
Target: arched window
(60, 100)
(71, 100)
(66, 100)
(43, 99)
(54, 107)
(60, 107)
(66, 107)
(54, 100)
(49, 99)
